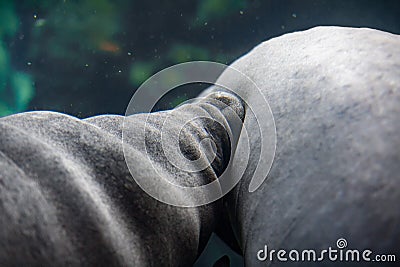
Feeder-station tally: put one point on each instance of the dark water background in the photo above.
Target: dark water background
(87, 57)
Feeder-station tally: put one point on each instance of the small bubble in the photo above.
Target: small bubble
(34, 16)
(205, 23)
(29, 63)
(86, 65)
(120, 71)
(241, 12)
(129, 54)
(294, 15)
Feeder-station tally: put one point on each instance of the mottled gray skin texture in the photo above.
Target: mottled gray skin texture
(335, 96)
(68, 199)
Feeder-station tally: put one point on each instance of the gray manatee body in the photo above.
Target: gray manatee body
(335, 96)
(67, 197)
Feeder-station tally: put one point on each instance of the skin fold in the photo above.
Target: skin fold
(68, 199)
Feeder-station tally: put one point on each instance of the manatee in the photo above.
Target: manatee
(335, 96)
(67, 197)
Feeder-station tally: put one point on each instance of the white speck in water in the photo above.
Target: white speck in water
(282, 27)
(86, 65)
(120, 71)
(29, 63)
(294, 15)
(241, 12)
(129, 54)
(34, 16)
(205, 23)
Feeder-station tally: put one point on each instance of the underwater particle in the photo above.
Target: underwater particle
(29, 63)
(241, 12)
(129, 54)
(282, 27)
(86, 65)
(34, 16)
(119, 71)
(205, 23)
(294, 15)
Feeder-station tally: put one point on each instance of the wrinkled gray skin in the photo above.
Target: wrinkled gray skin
(66, 196)
(68, 199)
(335, 96)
